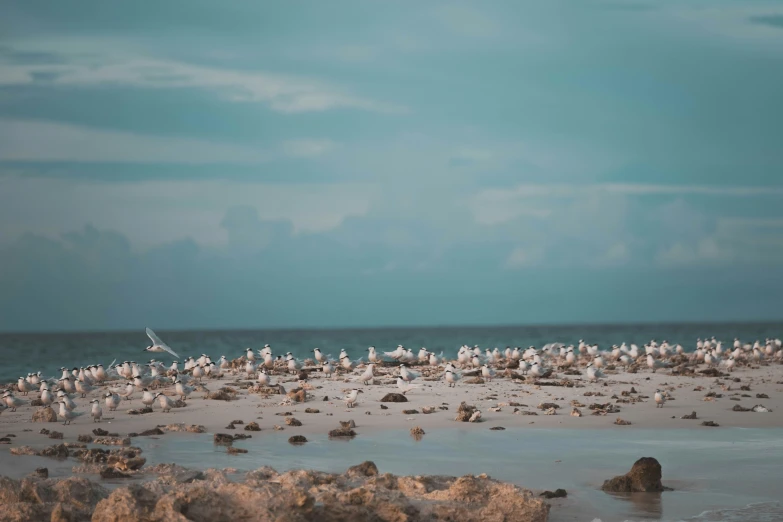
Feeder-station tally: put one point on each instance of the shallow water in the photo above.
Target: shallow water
(721, 471)
(24, 353)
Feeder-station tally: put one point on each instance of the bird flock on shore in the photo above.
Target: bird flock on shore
(121, 381)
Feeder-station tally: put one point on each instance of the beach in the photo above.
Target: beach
(537, 416)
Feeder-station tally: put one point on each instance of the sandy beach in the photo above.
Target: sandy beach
(510, 401)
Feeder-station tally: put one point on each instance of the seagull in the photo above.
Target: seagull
(660, 399)
(263, 378)
(69, 404)
(404, 386)
(406, 374)
(96, 412)
(350, 399)
(373, 355)
(654, 364)
(147, 398)
(67, 415)
(11, 401)
(112, 401)
(158, 345)
(367, 376)
(319, 356)
(165, 402)
(327, 369)
(128, 393)
(83, 388)
(182, 390)
(594, 373)
(487, 372)
(452, 378)
(23, 386)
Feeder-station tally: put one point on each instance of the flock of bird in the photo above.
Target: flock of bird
(123, 380)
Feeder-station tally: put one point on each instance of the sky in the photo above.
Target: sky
(364, 163)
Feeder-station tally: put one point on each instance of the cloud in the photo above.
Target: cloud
(308, 148)
(91, 67)
(704, 251)
(524, 257)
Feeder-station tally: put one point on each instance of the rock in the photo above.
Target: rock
(297, 395)
(291, 421)
(365, 469)
(23, 450)
(394, 397)
(558, 493)
(342, 432)
(548, 406)
(44, 415)
(242, 436)
(55, 435)
(762, 396)
(126, 462)
(58, 451)
(621, 422)
(312, 410)
(645, 475)
(237, 422)
(223, 394)
(417, 431)
(42, 473)
(44, 431)
(99, 432)
(691, 416)
(252, 426)
(297, 439)
(384, 407)
(302, 376)
(758, 408)
(235, 451)
(497, 428)
(745, 387)
(576, 412)
(85, 438)
(326, 398)
(190, 428)
(36, 402)
(112, 441)
(223, 438)
(428, 409)
(348, 424)
(140, 411)
(474, 380)
(151, 432)
(112, 473)
(738, 407)
(410, 412)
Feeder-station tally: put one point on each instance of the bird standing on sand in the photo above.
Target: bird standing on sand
(404, 387)
(351, 398)
(165, 402)
(67, 415)
(112, 401)
(367, 376)
(487, 372)
(452, 378)
(406, 374)
(11, 401)
(660, 399)
(96, 411)
(594, 373)
(182, 390)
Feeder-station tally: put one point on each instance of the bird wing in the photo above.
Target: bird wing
(157, 342)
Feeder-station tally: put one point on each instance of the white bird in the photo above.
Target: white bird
(96, 412)
(351, 398)
(83, 388)
(594, 373)
(367, 376)
(158, 345)
(182, 390)
(328, 369)
(112, 401)
(68, 415)
(660, 399)
(730, 363)
(69, 404)
(293, 365)
(423, 355)
(406, 374)
(452, 378)
(11, 401)
(373, 356)
(23, 386)
(165, 402)
(487, 372)
(435, 359)
(319, 357)
(404, 386)
(198, 372)
(654, 364)
(128, 393)
(147, 397)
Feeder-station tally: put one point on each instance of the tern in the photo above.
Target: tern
(165, 402)
(68, 415)
(158, 345)
(351, 398)
(96, 411)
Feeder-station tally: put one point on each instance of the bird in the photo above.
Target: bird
(404, 386)
(406, 374)
(351, 398)
(373, 356)
(367, 376)
(158, 345)
(452, 378)
(182, 390)
(594, 373)
(96, 411)
(83, 388)
(660, 399)
(147, 398)
(654, 364)
(68, 415)
(263, 378)
(487, 372)
(327, 369)
(112, 401)
(23, 386)
(128, 393)
(69, 404)
(11, 401)
(319, 356)
(165, 402)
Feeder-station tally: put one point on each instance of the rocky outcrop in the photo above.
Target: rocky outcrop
(645, 476)
(359, 494)
(44, 415)
(394, 397)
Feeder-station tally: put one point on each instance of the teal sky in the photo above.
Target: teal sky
(274, 164)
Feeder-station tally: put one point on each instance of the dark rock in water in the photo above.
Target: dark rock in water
(326, 398)
(55, 435)
(297, 439)
(410, 412)
(231, 426)
(342, 432)
(99, 432)
(645, 475)
(291, 421)
(558, 493)
(252, 426)
(365, 469)
(762, 396)
(237, 422)
(44, 415)
(235, 451)
(348, 424)
(691, 416)
(112, 473)
(710, 423)
(497, 428)
(41, 473)
(44, 431)
(394, 397)
(85, 438)
(223, 438)
(465, 412)
(737, 407)
(242, 436)
(59, 451)
(151, 432)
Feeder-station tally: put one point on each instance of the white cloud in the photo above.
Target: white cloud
(152, 212)
(704, 251)
(281, 92)
(308, 148)
(522, 257)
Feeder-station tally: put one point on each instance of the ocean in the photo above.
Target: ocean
(28, 352)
